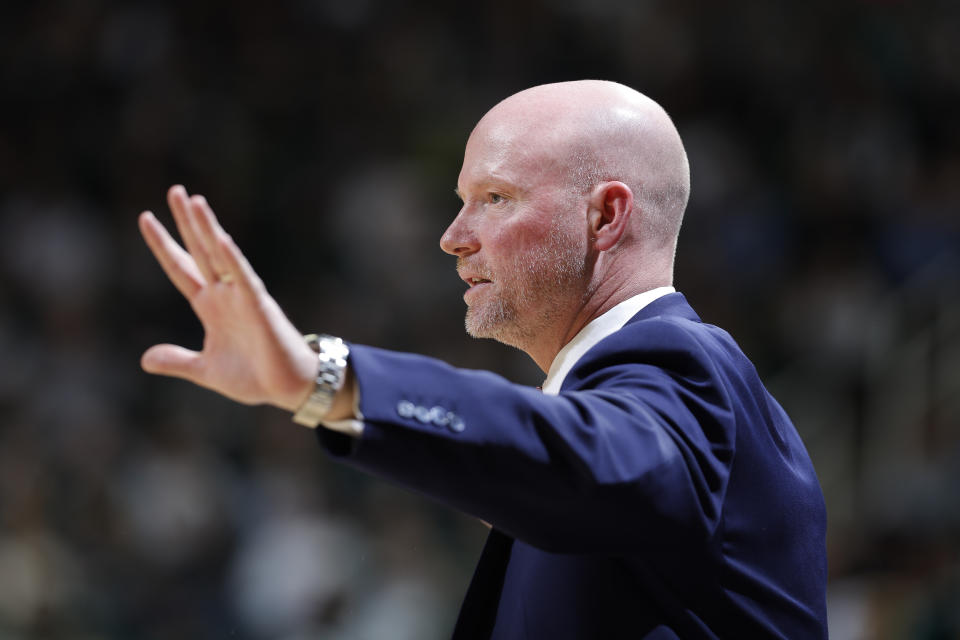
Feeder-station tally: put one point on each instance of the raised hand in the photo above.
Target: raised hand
(251, 352)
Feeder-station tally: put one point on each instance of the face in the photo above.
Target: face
(517, 240)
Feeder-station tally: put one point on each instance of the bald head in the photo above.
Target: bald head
(591, 131)
(572, 195)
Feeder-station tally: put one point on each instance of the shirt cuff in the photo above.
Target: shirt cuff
(350, 426)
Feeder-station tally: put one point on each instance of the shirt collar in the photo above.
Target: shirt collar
(595, 331)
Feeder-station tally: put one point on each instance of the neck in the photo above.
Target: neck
(595, 303)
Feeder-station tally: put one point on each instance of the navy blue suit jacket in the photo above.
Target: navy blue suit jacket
(662, 494)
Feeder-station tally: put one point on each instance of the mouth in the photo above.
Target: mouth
(472, 282)
(471, 275)
(474, 285)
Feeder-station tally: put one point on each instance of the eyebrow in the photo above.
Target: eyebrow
(456, 190)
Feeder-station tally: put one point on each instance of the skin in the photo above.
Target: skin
(572, 195)
(251, 352)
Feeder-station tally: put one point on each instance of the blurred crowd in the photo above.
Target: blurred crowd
(823, 232)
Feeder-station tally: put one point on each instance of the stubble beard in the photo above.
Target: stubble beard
(532, 294)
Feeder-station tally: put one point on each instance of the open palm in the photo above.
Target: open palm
(251, 352)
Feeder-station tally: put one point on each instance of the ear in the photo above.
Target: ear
(611, 205)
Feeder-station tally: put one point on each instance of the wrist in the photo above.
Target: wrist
(331, 355)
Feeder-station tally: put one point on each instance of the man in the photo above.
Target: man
(654, 489)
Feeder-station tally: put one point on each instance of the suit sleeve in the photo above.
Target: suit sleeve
(637, 453)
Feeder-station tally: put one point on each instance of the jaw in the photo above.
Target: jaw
(488, 315)
(499, 319)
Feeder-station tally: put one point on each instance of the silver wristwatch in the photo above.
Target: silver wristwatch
(332, 354)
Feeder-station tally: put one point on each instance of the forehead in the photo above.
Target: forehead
(516, 151)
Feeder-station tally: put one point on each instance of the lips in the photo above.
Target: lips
(475, 282)
(472, 275)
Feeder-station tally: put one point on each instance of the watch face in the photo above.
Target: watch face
(334, 348)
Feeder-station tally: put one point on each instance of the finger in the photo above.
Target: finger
(208, 232)
(172, 360)
(238, 266)
(175, 262)
(224, 253)
(179, 203)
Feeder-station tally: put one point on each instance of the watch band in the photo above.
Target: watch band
(332, 354)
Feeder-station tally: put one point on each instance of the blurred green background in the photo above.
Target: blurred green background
(823, 232)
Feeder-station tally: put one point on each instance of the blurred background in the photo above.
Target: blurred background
(823, 232)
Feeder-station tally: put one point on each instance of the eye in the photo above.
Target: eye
(495, 198)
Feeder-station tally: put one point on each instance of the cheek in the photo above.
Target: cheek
(511, 242)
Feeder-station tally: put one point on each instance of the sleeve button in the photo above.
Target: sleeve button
(405, 409)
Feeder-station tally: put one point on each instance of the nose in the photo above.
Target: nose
(459, 238)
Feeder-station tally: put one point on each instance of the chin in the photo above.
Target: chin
(495, 324)
(479, 329)
(485, 322)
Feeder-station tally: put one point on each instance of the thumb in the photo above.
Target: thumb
(171, 360)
